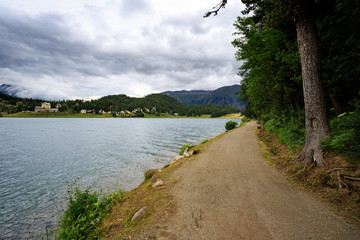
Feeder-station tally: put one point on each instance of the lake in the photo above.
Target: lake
(39, 156)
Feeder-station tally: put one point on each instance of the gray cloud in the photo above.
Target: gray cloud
(46, 57)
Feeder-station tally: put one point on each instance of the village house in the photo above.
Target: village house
(83, 111)
(45, 107)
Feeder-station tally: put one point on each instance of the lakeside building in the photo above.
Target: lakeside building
(45, 107)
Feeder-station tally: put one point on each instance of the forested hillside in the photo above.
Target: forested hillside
(222, 96)
(287, 45)
(153, 104)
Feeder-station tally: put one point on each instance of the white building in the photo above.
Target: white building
(45, 107)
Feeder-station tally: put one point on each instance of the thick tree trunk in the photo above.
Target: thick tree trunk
(317, 125)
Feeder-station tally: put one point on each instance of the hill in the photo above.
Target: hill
(221, 96)
(153, 104)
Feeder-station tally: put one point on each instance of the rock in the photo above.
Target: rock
(186, 154)
(193, 152)
(176, 159)
(259, 127)
(138, 214)
(158, 183)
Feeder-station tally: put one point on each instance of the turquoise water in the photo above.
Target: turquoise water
(39, 156)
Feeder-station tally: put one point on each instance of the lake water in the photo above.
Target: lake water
(38, 156)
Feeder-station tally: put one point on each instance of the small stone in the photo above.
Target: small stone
(186, 154)
(158, 183)
(176, 159)
(138, 214)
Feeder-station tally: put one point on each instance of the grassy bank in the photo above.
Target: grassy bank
(343, 197)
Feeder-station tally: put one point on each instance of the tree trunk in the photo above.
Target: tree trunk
(317, 124)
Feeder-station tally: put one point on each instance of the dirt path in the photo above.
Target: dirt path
(230, 192)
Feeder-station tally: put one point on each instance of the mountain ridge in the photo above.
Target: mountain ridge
(222, 96)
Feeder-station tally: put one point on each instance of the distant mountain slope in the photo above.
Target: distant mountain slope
(7, 89)
(221, 96)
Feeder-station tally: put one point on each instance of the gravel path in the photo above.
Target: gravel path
(230, 192)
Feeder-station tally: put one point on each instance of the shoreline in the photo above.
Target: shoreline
(154, 192)
(89, 115)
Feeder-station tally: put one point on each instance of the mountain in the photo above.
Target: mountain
(8, 90)
(221, 96)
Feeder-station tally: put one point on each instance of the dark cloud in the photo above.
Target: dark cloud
(46, 56)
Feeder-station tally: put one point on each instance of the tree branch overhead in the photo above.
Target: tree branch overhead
(216, 9)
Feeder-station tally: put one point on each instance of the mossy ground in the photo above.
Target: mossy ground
(319, 181)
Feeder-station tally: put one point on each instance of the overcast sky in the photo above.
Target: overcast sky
(86, 49)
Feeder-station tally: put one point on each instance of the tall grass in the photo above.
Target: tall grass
(85, 211)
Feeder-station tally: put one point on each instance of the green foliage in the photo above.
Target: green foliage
(345, 136)
(271, 69)
(290, 130)
(230, 125)
(157, 104)
(245, 120)
(85, 212)
(205, 141)
(140, 114)
(185, 146)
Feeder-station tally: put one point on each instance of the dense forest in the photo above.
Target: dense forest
(152, 104)
(273, 43)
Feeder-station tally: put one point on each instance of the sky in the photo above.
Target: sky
(85, 49)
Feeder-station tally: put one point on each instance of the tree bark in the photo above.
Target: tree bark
(317, 124)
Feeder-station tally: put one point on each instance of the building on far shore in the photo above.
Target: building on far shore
(45, 107)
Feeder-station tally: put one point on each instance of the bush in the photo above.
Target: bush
(289, 130)
(230, 125)
(345, 135)
(84, 213)
(140, 114)
(245, 120)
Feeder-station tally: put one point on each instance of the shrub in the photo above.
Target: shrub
(245, 120)
(230, 125)
(84, 213)
(345, 135)
(289, 130)
(140, 114)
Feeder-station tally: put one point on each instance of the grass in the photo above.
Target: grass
(185, 146)
(86, 210)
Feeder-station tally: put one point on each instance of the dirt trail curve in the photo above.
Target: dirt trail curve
(230, 192)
